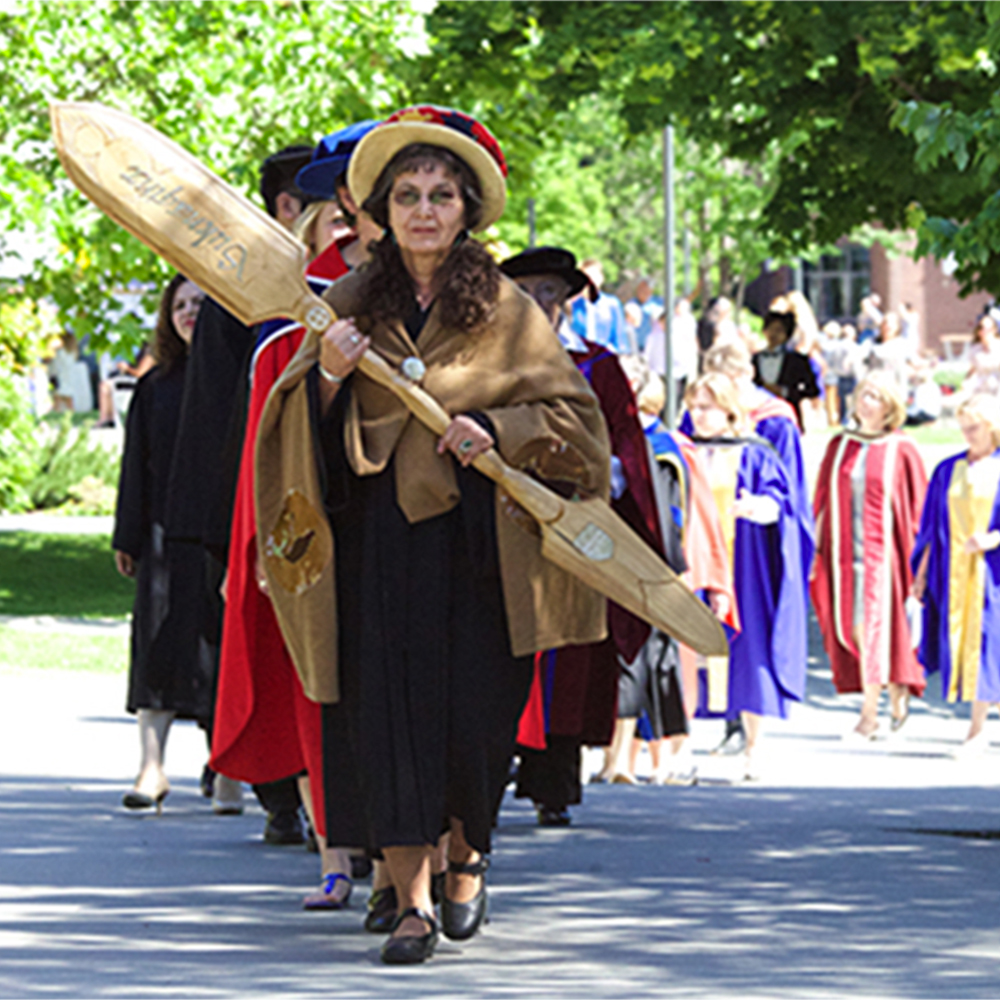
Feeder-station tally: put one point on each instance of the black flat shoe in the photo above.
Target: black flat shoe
(382, 906)
(460, 921)
(411, 949)
(361, 867)
(283, 828)
(553, 817)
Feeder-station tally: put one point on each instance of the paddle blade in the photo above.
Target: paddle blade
(593, 543)
(194, 220)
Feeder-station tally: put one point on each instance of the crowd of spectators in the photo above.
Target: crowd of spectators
(840, 353)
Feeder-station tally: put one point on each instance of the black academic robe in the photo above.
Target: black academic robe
(170, 669)
(202, 481)
(796, 380)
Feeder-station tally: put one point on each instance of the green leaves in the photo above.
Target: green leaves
(231, 81)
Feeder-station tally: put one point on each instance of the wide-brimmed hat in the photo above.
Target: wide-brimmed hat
(550, 260)
(453, 130)
(323, 175)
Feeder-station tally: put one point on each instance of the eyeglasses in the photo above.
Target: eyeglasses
(408, 197)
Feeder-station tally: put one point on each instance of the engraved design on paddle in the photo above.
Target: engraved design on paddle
(594, 543)
(206, 230)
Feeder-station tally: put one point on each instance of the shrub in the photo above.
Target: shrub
(18, 461)
(69, 465)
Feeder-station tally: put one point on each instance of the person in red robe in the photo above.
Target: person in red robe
(868, 502)
(265, 726)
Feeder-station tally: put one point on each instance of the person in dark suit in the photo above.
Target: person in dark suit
(781, 370)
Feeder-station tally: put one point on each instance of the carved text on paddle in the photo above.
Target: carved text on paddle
(233, 255)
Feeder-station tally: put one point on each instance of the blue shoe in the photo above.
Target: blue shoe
(325, 898)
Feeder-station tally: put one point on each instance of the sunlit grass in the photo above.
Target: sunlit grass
(71, 575)
(23, 650)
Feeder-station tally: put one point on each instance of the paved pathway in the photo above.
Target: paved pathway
(836, 874)
(870, 870)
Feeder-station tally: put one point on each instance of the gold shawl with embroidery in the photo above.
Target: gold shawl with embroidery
(546, 418)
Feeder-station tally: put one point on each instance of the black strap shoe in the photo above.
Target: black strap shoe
(411, 949)
(382, 906)
(460, 921)
(548, 816)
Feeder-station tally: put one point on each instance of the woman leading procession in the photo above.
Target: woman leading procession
(417, 586)
(408, 596)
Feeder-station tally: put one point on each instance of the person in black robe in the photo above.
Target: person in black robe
(169, 675)
(202, 481)
(781, 370)
(430, 676)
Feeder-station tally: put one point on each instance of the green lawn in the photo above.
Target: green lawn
(20, 650)
(71, 575)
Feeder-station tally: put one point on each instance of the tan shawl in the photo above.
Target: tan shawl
(546, 419)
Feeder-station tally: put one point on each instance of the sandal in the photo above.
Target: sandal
(325, 899)
(382, 907)
(411, 949)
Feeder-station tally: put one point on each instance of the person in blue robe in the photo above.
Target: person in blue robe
(767, 662)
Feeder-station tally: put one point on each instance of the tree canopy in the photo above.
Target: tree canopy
(815, 88)
(232, 82)
(796, 122)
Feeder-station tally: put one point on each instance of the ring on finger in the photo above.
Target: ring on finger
(465, 447)
(355, 339)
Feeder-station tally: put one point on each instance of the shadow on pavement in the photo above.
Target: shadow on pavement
(653, 892)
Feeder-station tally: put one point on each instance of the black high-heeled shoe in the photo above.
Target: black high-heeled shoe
(134, 799)
(411, 949)
(460, 921)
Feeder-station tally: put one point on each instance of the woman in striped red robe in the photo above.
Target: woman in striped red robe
(869, 496)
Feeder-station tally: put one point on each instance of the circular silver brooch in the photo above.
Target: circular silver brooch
(414, 369)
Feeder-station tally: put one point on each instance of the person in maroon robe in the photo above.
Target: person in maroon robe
(575, 692)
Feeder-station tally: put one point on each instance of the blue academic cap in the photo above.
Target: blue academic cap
(319, 177)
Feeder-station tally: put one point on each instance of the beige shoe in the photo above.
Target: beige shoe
(227, 796)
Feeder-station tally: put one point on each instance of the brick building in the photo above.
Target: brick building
(837, 282)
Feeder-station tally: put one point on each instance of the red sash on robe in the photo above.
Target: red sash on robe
(772, 406)
(895, 484)
(265, 727)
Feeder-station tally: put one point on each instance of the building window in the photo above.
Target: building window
(837, 282)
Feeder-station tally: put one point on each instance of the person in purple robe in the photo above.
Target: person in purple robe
(956, 560)
(766, 670)
(775, 421)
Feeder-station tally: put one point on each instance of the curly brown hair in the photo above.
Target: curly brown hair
(467, 283)
(168, 347)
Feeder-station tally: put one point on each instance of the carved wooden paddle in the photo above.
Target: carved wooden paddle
(251, 265)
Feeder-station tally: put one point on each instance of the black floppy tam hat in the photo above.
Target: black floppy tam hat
(550, 260)
(277, 174)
